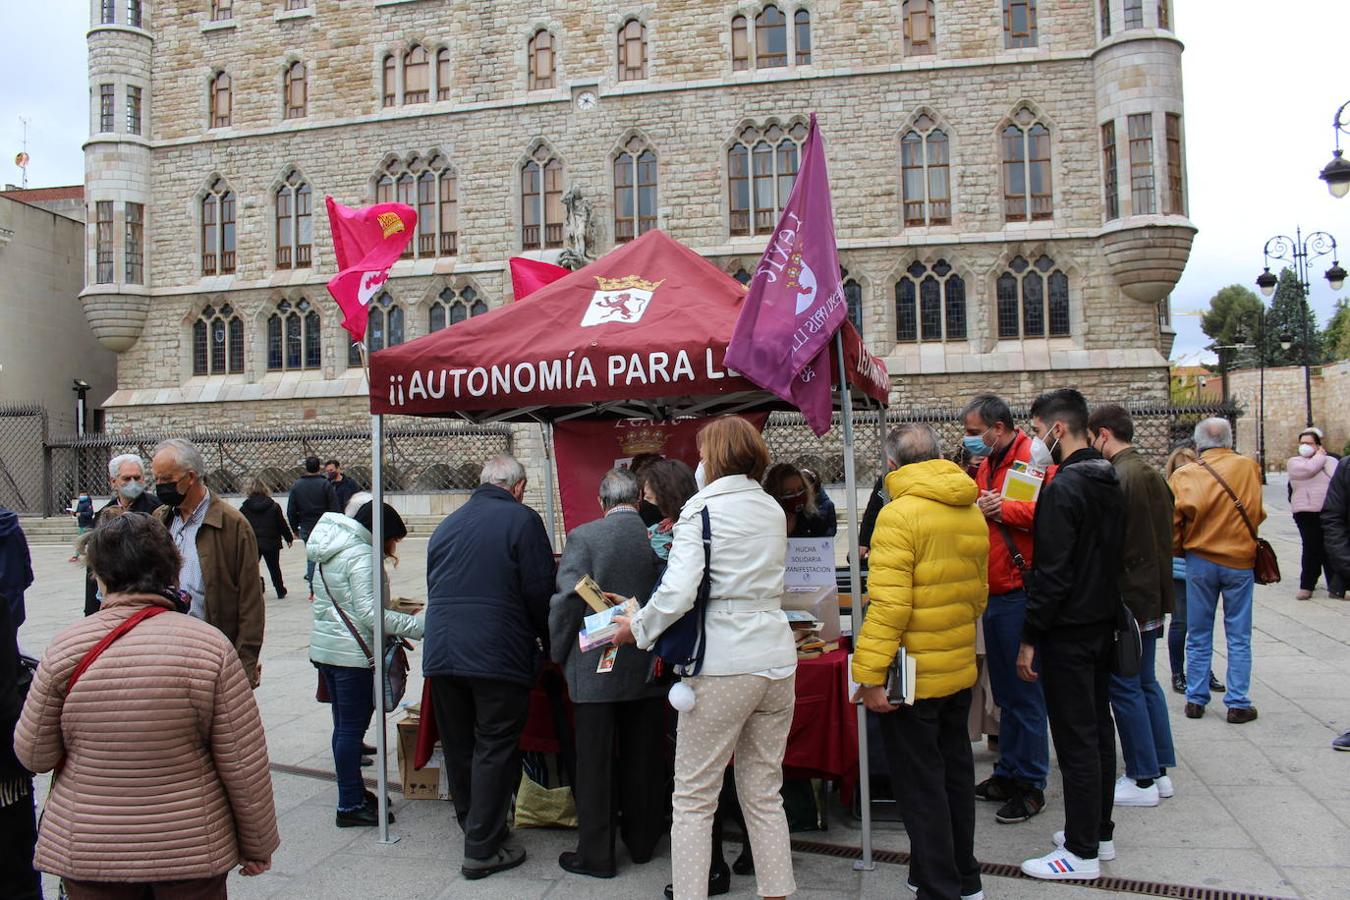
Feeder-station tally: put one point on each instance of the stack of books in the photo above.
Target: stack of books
(806, 632)
(599, 627)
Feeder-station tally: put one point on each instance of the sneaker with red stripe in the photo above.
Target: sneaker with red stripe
(1062, 865)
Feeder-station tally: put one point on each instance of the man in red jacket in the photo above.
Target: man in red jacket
(1018, 781)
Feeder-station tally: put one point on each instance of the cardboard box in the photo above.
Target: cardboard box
(431, 782)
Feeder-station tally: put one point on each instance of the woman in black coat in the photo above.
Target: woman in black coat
(270, 528)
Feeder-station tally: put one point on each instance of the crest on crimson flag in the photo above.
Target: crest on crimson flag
(366, 242)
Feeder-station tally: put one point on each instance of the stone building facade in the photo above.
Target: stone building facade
(1286, 408)
(1008, 177)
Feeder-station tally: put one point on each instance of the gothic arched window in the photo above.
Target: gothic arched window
(761, 168)
(930, 304)
(1032, 300)
(217, 342)
(295, 223)
(925, 174)
(430, 186)
(452, 307)
(1028, 193)
(541, 209)
(634, 190)
(218, 229)
(294, 335)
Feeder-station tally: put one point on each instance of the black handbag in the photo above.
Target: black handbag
(681, 646)
(396, 663)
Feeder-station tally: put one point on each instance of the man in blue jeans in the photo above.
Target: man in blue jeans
(1218, 509)
(1138, 701)
(1018, 781)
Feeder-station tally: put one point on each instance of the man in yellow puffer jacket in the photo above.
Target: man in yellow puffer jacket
(928, 582)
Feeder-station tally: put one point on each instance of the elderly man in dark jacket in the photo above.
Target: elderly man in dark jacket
(1336, 538)
(489, 580)
(1138, 701)
(609, 690)
(1073, 597)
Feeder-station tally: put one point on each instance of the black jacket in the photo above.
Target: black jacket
(489, 580)
(145, 503)
(1336, 519)
(311, 497)
(1079, 531)
(16, 574)
(345, 489)
(875, 501)
(269, 525)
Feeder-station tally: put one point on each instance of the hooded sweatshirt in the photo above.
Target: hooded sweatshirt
(1080, 540)
(928, 579)
(16, 568)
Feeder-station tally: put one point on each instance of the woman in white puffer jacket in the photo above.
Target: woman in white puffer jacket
(340, 548)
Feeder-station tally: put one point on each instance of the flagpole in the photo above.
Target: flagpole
(546, 432)
(855, 587)
(377, 586)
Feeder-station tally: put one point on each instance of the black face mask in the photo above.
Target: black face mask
(168, 494)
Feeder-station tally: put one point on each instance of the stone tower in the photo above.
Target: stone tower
(1137, 68)
(116, 296)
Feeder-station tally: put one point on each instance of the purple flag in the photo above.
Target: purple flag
(796, 301)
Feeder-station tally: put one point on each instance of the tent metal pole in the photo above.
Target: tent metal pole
(855, 587)
(377, 584)
(546, 430)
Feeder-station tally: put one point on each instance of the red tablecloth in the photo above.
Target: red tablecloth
(823, 742)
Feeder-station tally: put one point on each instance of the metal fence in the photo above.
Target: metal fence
(422, 460)
(1157, 431)
(23, 431)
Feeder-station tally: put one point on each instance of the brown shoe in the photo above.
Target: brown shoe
(1194, 710)
(1241, 715)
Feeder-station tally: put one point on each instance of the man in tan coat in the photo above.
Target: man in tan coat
(1216, 532)
(220, 554)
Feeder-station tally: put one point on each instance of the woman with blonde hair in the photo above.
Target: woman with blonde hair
(1184, 455)
(744, 694)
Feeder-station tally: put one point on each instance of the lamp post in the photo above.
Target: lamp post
(1337, 172)
(1301, 252)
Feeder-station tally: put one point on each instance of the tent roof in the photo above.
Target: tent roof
(640, 333)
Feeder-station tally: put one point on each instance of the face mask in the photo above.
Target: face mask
(1041, 455)
(976, 446)
(700, 476)
(169, 495)
(132, 490)
(1306, 450)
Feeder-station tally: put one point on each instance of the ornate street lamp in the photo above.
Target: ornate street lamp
(1337, 172)
(1301, 252)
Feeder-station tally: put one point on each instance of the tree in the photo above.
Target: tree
(1233, 317)
(1291, 319)
(1336, 337)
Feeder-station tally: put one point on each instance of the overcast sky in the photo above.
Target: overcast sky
(1263, 81)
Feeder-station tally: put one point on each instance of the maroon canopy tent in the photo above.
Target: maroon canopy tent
(640, 333)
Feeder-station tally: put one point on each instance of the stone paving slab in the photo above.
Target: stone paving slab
(1263, 807)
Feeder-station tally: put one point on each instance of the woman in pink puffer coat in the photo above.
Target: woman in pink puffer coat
(1309, 476)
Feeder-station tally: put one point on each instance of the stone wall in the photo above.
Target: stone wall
(1285, 409)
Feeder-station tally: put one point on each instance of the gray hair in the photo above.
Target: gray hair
(117, 462)
(619, 486)
(911, 444)
(504, 471)
(992, 410)
(1212, 433)
(186, 452)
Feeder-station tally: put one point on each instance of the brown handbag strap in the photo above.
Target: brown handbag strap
(365, 648)
(1242, 511)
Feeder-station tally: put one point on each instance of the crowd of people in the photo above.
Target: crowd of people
(1050, 604)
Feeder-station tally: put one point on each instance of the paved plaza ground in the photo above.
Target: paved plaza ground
(1261, 808)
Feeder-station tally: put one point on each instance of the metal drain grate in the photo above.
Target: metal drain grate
(900, 858)
(1004, 870)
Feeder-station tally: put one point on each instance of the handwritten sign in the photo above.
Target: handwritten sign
(810, 564)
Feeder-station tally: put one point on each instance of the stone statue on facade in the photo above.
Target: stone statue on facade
(579, 230)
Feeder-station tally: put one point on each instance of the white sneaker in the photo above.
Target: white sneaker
(1106, 850)
(914, 889)
(1164, 785)
(1130, 794)
(1062, 865)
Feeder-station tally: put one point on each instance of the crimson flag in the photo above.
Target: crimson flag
(367, 242)
(529, 275)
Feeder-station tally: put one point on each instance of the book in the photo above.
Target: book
(589, 591)
(599, 628)
(900, 679)
(1018, 485)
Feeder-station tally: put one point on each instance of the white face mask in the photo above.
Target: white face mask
(700, 477)
(132, 489)
(1306, 450)
(1040, 454)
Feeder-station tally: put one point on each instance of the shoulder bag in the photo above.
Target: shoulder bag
(1265, 567)
(681, 646)
(395, 653)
